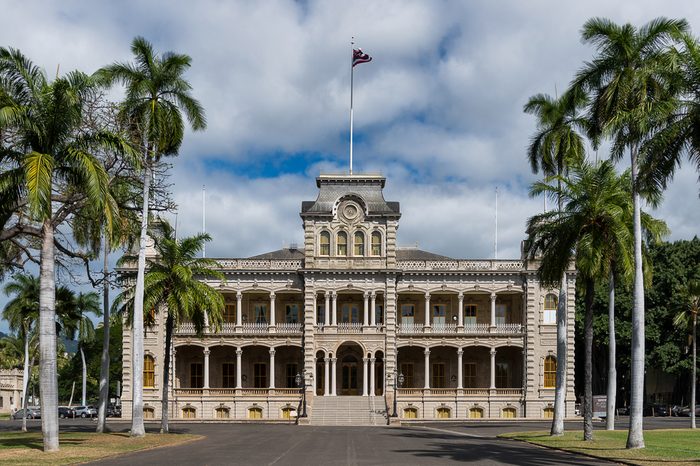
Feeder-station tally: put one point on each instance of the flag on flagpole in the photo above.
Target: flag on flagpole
(359, 57)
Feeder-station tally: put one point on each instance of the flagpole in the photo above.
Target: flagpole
(352, 48)
(495, 237)
(204, 219)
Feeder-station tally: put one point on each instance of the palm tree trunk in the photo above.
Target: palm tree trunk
(25, 373)
(635, 436)
(612, 368)
(169, 324)
(47, 339)
(588, 362)
(560, 381)
(104, 363)
(137, 427)
(82, 357)
(25, 402)
(693, 385)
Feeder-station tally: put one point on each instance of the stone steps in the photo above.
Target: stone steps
(348, 411)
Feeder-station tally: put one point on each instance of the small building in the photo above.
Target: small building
(365, 324)
(10, 390)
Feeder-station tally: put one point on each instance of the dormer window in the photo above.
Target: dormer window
(342, 244)
(376, 243)
(325, 244)
(359, 243)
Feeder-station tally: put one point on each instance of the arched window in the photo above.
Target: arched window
(548, 413)
(149, 375)
(476, 413)
(550, 309)
(410, 413)
(148, 412)
(222, 412)
(443, 413)
(188, 412)
(342, 244)
(255, 413)
(550, 371)
(359, 243)
(376, 243)
(325, 244)
(508, 413)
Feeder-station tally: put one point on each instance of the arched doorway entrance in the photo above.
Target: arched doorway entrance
(350, 369)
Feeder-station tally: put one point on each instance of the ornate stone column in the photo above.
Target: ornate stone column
(427, 309)
(460, 310)
(426, 353)
(315, 382)
(327, 376)
(334, 309)
(206, 367)
(272, 368)
(372, 384)
(239, 309)
(493, 369)
(334, 391)
(272, 309)
(364, 376)
(365, 320)
(460, 352)
(239, 353)
(373, 309)
(327, 309)
(493, 309)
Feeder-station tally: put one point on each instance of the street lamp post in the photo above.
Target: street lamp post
(398, 382)
(301, 382)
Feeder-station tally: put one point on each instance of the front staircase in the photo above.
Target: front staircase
(349, 411)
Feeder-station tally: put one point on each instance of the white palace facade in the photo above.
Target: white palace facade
(360, 327)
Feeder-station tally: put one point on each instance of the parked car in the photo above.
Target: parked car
(657, 410)
(114, 411)
(65, 411)
(32, 413)
(686, 411)
(85, 411)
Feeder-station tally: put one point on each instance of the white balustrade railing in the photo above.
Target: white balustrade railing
(260, 264)
(472, 329)
(444, 328)
(350, 327)
(405, 328)
(509, 328)
(289, 327)
(228, 327)
(185, 328)
(254, 328)
(481, 265)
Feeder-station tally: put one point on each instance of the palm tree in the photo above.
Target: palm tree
(52, 161)
(156, 94)
(628, 83)
(22, 313)
(557, 144)
(173, 280)
(80, 326)
(688, 319)
(592, 226)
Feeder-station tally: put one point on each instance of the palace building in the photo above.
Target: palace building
(352, 328)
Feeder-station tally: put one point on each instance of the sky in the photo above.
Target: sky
(438, 111)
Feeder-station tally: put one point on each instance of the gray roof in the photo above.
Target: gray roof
(415, 254)
(366, 188)
(281, 254)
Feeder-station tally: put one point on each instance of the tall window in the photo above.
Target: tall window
(349, 313)
(439, 313)
(149, 374)
(325, 244)
(470, 375)
(291, 374)
(259, 375)
(230, 310)
(502, 375)
(550, 372)
(470, 314)
(407, 371)
(228, 369)
(376, 243)
(501, 311)
(320, 314)
(291, 313)
(550, 309)
(438, 375)
(342, 244)
(260, 310)
(379, 314)
(196, 375)
(359, 243)
(407, 313)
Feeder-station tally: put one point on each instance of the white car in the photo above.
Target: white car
(85, 411)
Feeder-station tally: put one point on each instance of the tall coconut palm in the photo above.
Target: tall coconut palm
(80, 326)
(175, 281)
(688, 319)
(52, 161)
(628, 84)
(156, 96)
(591, 226)
(557, 144)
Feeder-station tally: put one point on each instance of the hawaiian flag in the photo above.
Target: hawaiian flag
(359, 57)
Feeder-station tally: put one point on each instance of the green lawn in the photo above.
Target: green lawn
(18, 448)
(671, 447)
(4, 415)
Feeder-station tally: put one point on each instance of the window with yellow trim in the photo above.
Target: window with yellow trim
(148, 412)
(550, 372)
(255, 413)
(476, 413)
(342, 244)
(410, 413)
(149, 374)
(508, 413)
(550, 309)
(376, 243)
(222, 413)
(288, 413)
(325, 244)
(188, 412)
(230, 310)
(548, 413)
(443, 413)
(359, 243)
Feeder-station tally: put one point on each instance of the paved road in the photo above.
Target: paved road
(438, 443)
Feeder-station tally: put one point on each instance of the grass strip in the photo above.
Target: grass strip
(26, 448)
(669, 446)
